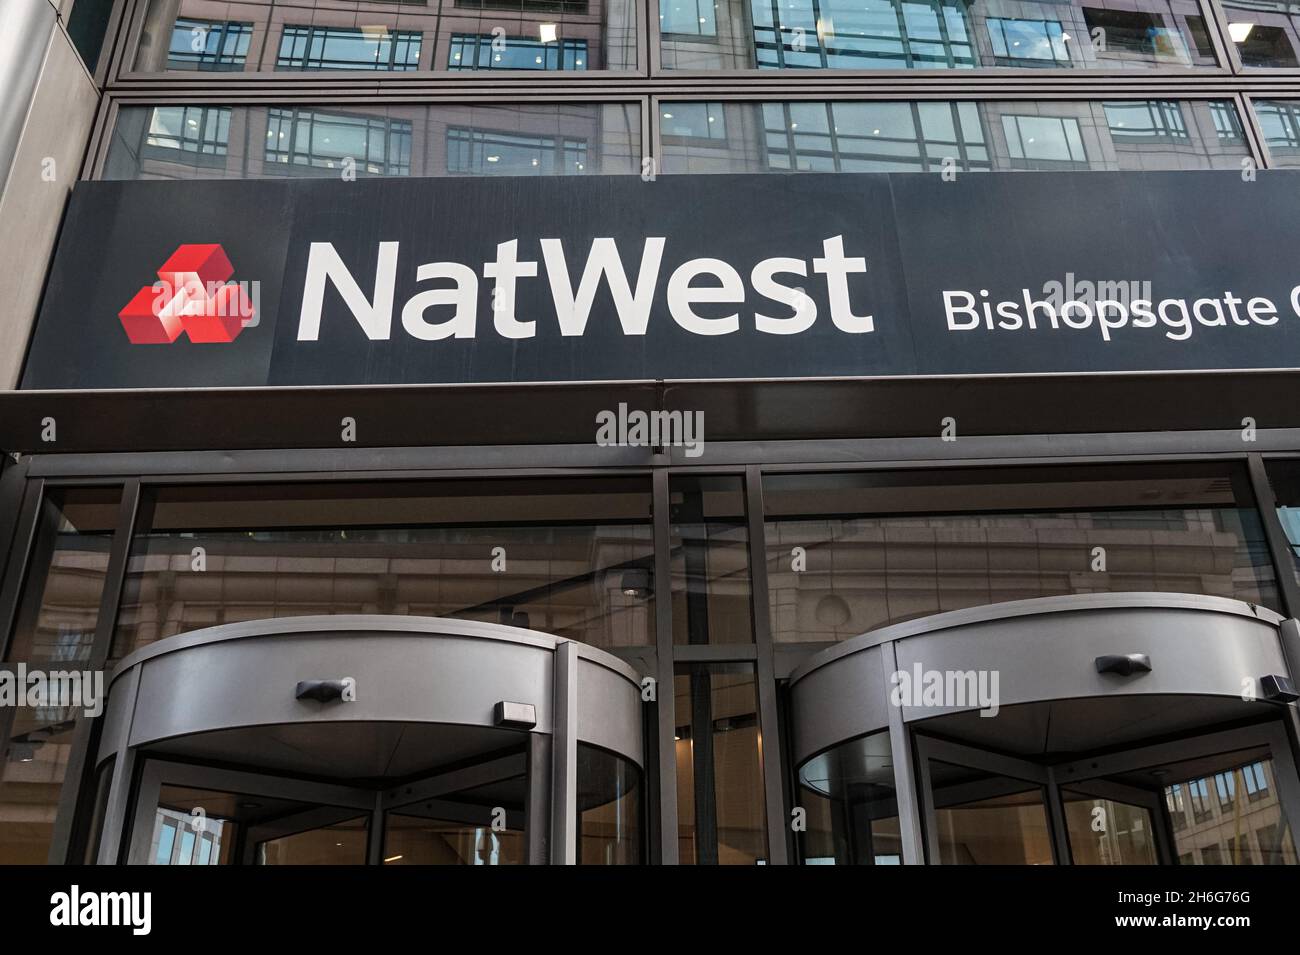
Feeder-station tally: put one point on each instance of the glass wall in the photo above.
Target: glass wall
(389, 35)
(721, 817)
(572, 557)
(848, 553)
(932, 34)
(901, 136)
(1280, 121)
(852, 808)
(710, 561)
(610, 809)
(55, 623)
(215, 141)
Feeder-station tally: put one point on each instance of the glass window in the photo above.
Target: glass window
(721, 817)
(461, 828)
(933, 136)
(930, 35)
(610, 809)
(1106, 831)
(348, 48)
(59, 607)
(486, 152)
(710, 561)
(471, 51)
(1265, 32)
(852, 807)
(848, 553)
(426, 35)
(571, 557)
(220, 45)
(1280, 121)
(983, 818)
(261, 142)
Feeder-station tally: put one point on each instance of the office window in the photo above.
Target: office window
(1198, 794)
(1146, 120)
(874, 34)
(575, 559)
(219, 45)
(267, 36)
(881, 35)
(873, 137)
(485, 52)
(1051, 139)
(1255, 781)
(376, 140)
(1227, 124)
(1265, 32)
(701, 121)
(695, 18)
(344, 48)
(1033, 40)
(1176, 802)
(196, 134)
(1118, 32)
(1225, 784)
(486, 152)
(852, 552)
(1280, 122)
(319, 140)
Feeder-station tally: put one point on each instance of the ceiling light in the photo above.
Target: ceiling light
(668, 115)
(548, 32)
(393, 858)
(1239, 31)
(494, 159)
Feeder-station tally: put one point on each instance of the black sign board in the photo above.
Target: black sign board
(614, 278)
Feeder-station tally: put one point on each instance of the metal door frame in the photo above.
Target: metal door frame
(156, 772)
(930, 748)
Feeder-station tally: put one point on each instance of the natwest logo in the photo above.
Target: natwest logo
(190, 296)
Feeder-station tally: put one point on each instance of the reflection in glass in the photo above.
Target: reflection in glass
(710, 561)
(720, 811)
(1265, 32)
(1107, 831)
(900, 136)
(931, 34)
(852, 807)
(260, 142)
(270, 35)
(578, 556)
(1229, 813)
(982, 818)
(461, 828)
(207, 827)
(609, 809)
(890, 546)
(1280, 122)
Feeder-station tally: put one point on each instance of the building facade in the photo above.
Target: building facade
(976, 543)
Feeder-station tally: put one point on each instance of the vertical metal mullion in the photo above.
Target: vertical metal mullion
(564, 756)
(665, 693)
(1056, 813)
(537, 809)
(906, 779)
(778, 833)
(376, 833)
(78, 793)
(20, 548)
(1252, 130)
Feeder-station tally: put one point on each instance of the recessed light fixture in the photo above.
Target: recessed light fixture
(668, 115)
(393, 858)
(494, 159)
(1239, 31)
(548, 32)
